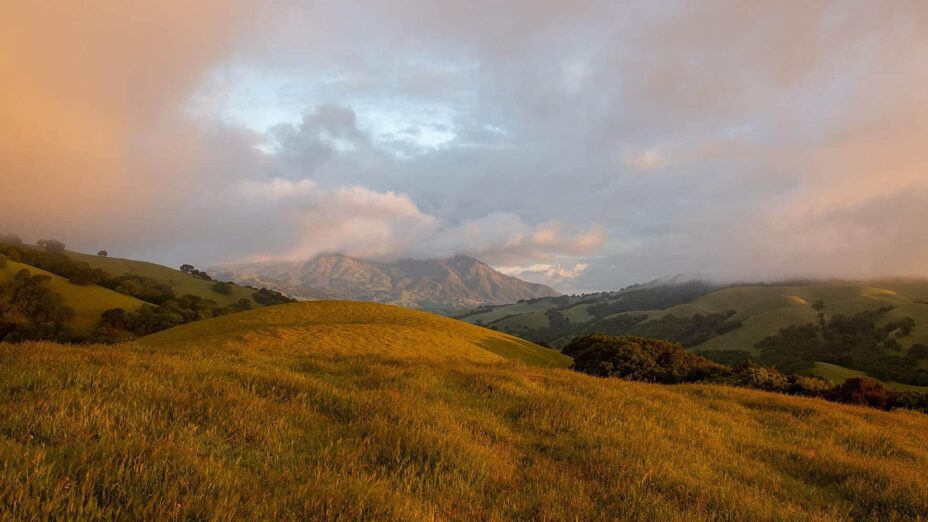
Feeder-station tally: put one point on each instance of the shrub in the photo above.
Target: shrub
(190, 269)
(242, 305)
(31, 311)
(52, 245)
(809, 386)
(918, 352)
(270, 297)
(223, 288)
(752, 375)
(639, 359)
(863, 391)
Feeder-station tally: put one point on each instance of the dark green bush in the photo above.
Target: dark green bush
(640, 359)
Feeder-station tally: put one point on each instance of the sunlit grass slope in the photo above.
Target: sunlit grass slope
(318, 423)
(88, 301)
(351, 328)
(181, 283)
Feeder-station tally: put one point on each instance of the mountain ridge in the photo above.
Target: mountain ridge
(455, 282)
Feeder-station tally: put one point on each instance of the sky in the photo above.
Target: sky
(585, 144)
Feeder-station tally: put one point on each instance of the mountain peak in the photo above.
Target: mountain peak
(455, 282)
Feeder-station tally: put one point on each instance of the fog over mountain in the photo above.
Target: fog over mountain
(585, 145)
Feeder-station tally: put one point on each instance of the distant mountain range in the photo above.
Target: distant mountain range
(457, 282)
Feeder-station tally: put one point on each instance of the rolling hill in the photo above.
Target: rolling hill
(759, 311)
(88, 301)
(432, 284)
(362, 411)
(92, 285)
(181, 283)
(347, 328)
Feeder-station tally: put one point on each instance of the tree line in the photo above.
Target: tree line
(864, 341)
(31, 311)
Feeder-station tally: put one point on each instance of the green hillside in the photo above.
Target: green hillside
(181, 283)
(88, 301)
(346, 411)
(702, 321)
(766, 309)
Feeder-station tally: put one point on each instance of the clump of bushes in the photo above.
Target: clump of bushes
(149, 319)
(918, 352)
(52, 245)
(639, 359)
(653, 360)
(199, 274)
(269, 297)
(223, 288)
(30, 310)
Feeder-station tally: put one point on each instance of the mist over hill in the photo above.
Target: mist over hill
(456, 282)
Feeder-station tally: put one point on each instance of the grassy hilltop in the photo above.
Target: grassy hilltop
(348, 411)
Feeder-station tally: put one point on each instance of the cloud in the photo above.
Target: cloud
(789, 138)
(546, 273)
(503, 237)
(644, 160)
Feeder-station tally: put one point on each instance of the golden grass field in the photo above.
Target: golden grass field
(346, 411)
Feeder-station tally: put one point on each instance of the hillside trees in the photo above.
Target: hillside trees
(863, 392)
(918, 352)
(852, 341)
(31, 311)
(639, 359)
(199, 274)
(10, 239)
(223, 288)
(269, 297)
(150, 318)
(52, 245)
(163, 309)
